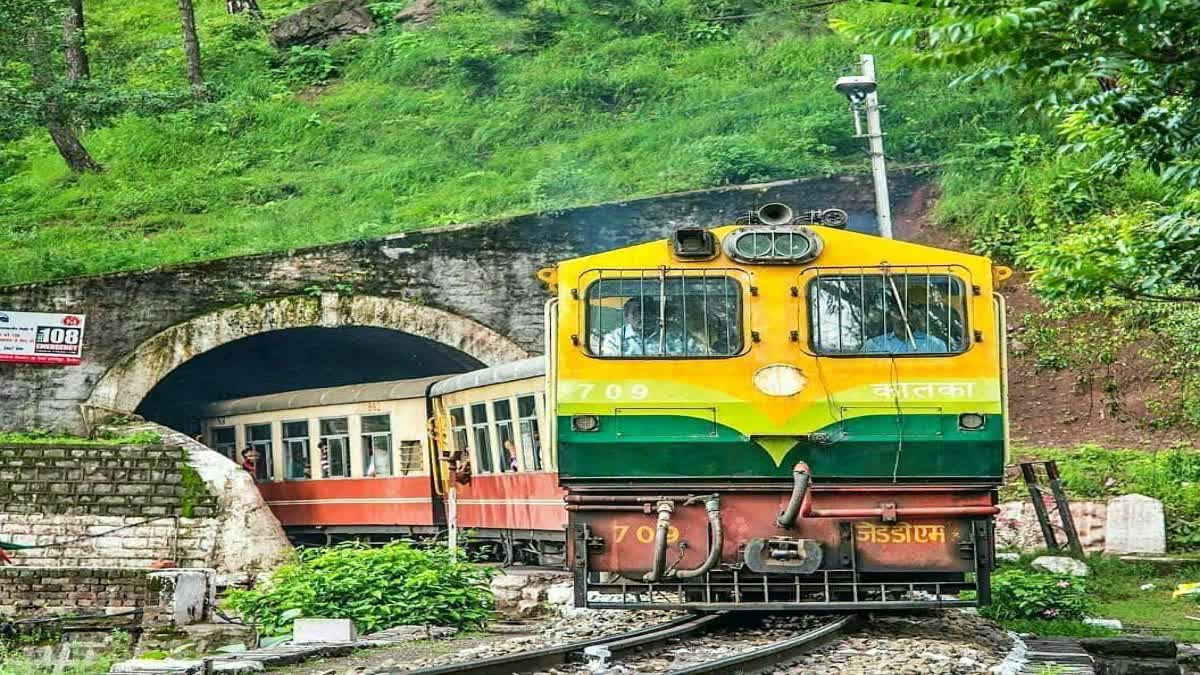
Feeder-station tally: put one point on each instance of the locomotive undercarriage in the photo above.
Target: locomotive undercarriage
(831, 589)
(893, 547)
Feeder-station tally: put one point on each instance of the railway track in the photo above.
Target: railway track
(626, 648)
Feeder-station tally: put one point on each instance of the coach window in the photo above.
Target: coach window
(653, 315)
(458, 428)
(295, 449)
(412, 457)
(224, 441)
(335, 447)
(531, 440)
(892, 314)
(377, 445)
(258, 437)
(502, 414)
(479, 433)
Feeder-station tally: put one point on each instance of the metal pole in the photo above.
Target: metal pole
(883, 208)
(452, 519)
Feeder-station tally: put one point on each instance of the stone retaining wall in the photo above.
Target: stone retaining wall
(98, 506)
(31, 591)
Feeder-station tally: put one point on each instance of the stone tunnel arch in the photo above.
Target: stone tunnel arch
(126, 384)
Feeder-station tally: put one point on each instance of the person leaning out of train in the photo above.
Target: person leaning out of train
(249, 459)
(908, 334)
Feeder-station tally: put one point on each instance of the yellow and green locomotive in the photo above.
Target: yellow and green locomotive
(776, 415)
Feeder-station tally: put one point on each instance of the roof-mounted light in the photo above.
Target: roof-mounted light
(781, 245)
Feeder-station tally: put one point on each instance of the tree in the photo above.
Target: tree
(1121, 79)
(36, 86)
(191, 47)
(74, 39)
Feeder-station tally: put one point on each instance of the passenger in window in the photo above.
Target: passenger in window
(249, 459)
(323, 446)
(639, 334)
(906, 337)
(510, 455)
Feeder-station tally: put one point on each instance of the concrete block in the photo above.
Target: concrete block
(183, 593)
(1135, 525)
(309, 631)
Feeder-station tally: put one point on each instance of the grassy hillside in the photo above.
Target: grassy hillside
(500, 107)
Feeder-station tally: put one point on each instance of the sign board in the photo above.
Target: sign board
(34, 337)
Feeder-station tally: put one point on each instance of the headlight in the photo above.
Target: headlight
(971, 421)
(585, 423)
(780, 245)
(780, 380)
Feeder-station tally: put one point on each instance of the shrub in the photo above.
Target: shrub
(377, 588)
(1022, 594)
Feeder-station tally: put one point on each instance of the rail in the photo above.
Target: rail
(647, 639)
(549, 657)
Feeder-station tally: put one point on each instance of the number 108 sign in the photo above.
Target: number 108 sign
(36, 337)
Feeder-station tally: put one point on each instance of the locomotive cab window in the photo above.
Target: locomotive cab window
(649, 314)
(874, 313)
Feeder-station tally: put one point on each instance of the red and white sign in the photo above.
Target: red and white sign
(34, 337)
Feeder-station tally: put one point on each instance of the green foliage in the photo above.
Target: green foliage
(376, 587)
(194, 490)
(1116, 78)
(1059, 628)
(492, 110)
(48, 437)
(1025, 594)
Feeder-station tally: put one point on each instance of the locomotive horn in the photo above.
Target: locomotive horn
(775, 214)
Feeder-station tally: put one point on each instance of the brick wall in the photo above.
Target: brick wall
(89, 503)
(32, 591)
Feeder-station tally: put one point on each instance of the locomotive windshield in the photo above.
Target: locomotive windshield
(657, 315)
(872, 314)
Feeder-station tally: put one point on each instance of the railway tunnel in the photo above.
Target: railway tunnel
(292, 359)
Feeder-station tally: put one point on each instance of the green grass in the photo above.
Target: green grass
(1115, 587)
(501, 108)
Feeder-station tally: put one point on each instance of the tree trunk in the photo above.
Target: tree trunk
(57, 122)
(191, 47)
(75, 39)
(67, 142)
(239, 6)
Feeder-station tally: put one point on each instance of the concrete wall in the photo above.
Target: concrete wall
(484, 273)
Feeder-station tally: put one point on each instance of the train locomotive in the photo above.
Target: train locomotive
(778, 416)
(769, 415)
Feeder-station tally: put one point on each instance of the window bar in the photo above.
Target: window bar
(598, 308)
(642, 310)
(662, 312)
(828, 591)
(841, 327)
(928, 310)
(949, 319)
(683, 296)
(708, 350)
(766, 589)
(817, 315)
(862, 308)
(727, 308)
